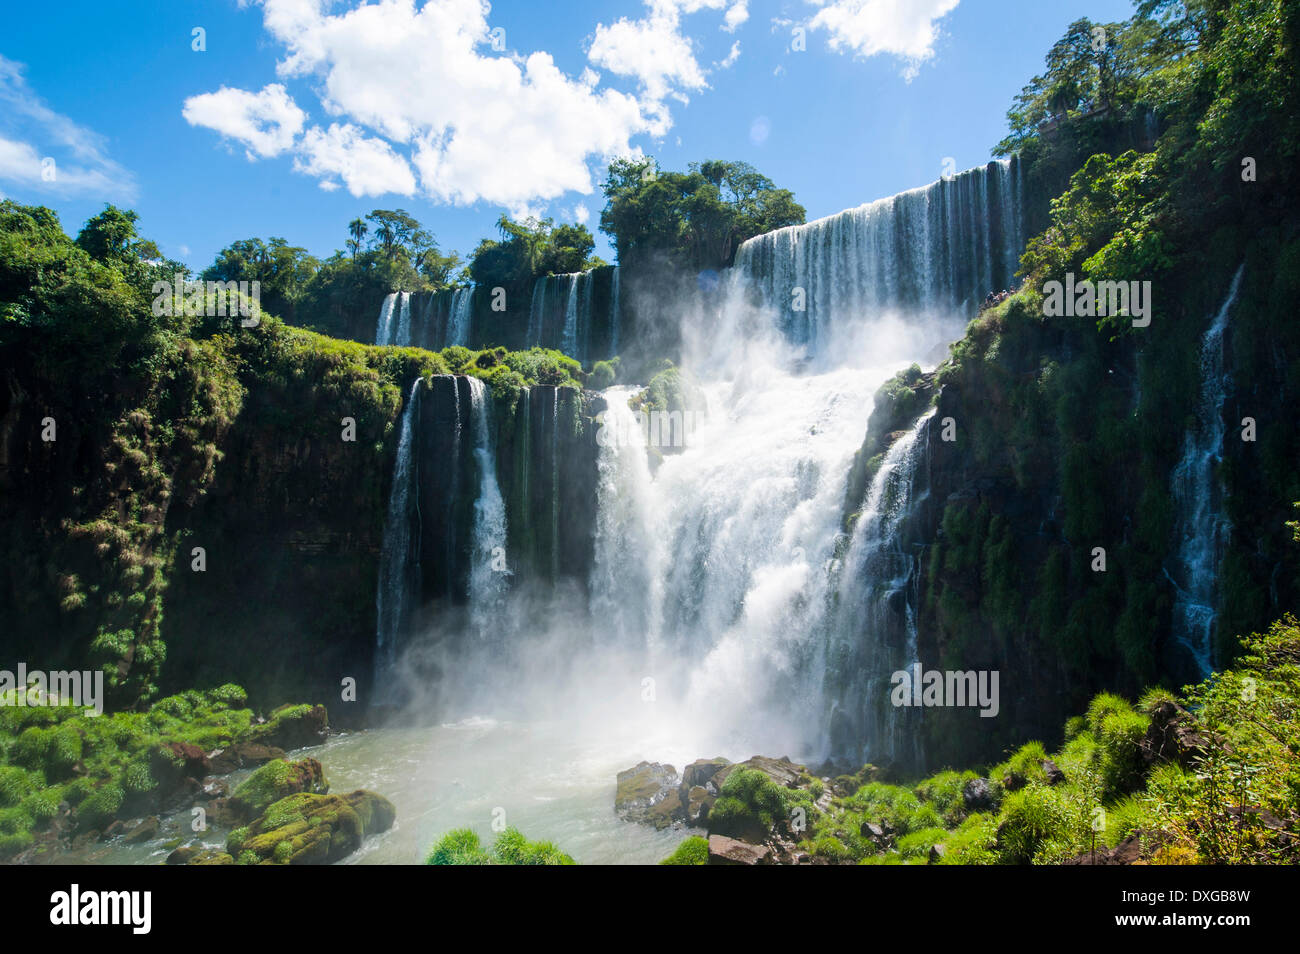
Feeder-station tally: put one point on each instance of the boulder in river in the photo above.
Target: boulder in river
(308, 829)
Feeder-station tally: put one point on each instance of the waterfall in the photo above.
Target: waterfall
(873, 631)
(403, 334)
(1202, 527)
(486, 582)
(718, 572)
(555, 483)
(569, 342)
(926, 251)
(615, 316)
(627, 598)
(384, 328)
(560, 312)
(462, 311)
(398, 581)
(536, 311)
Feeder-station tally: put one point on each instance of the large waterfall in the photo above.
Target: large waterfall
(397, 560)
(1202, 526)
(714, 578)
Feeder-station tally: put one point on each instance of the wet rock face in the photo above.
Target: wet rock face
(649, 794)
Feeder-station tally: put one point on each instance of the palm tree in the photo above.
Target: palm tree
(358, 229)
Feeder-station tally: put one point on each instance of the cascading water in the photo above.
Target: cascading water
(615, 316)
(486, 578)
(462, 311)
(402, 336)
(720, 586)
(397, 577)
(1202, 527)
(536, 312)
(384, 328)
(933, 250)
(872, 633)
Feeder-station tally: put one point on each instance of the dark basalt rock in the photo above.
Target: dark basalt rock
(242, 755)
(1172, 737)
(977, 795)
(1053, 772)
(1127, 852)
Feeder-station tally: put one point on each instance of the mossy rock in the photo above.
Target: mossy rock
(317, 829)
(292, 727)
(277, 780)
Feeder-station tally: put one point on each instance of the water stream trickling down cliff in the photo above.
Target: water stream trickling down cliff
(1201, 524)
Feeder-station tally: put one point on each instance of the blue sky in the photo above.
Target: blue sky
(301, 114)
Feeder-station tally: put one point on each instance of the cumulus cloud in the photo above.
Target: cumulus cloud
(736, 14)
(656, 52)
(45, 152)
(903, 28)
(427, 99)
(267, 122)
(432, 98)
(367, 165)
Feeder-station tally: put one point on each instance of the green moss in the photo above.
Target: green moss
(278, 779)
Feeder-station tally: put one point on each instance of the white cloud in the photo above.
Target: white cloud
(419, 98)
(367, 165)
(46, 152)
(652, 50)
(657, 53)
(737, 14)
(267, 123)
(730, 57)
(902, 28)
(422, 102)
(581, 214)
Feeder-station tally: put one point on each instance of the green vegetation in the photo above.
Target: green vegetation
(1208, 777)
(56, 758)
(692, 220)
(386, 251)
(530, 249)
(145, 407)
(462, 846)
(692, 851)
(1156, 156)
(751, 806)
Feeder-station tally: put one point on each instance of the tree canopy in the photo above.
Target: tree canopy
(694, 219)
